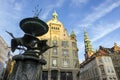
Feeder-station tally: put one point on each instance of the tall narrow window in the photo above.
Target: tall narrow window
(73, 44)
(54, 51)
(66, 76)
(74, 63)
(54, 62)
(54, 75)
(44, 75)
(54, 42)
(102, 69)
(75, 53)
(108, 69)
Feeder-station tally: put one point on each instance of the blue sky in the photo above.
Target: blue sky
(100, 17)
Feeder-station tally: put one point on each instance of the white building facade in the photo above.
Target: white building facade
(98, 68)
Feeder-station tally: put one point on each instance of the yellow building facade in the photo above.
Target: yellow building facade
(62, 61)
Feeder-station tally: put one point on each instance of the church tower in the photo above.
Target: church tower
(88, 47)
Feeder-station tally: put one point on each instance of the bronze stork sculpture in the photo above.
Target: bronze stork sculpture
(28, 65)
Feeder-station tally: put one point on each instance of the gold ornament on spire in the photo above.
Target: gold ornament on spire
(55, 15)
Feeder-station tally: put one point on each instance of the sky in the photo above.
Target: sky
(100, 17)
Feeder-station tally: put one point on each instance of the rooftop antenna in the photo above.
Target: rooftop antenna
(37, 11)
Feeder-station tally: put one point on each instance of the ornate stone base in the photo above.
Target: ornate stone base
(27, 67)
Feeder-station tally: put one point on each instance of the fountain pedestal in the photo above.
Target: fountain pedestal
(27, 68)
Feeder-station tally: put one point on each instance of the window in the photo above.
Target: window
(108, 69)
(102, 69)
(54, 75)
(96, 71)
(75, 53)
(54, 42)
(64, 43)
(105, 59)
(75, 63)
(112, 69)
(73, 44)
(54, 62)
(44, 75)
(65, 52)
(54, 51)
(108, 59)
(55, 28)
(100, 60)
(66, 76)
(66, 62)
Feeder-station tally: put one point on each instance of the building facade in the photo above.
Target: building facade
(62, 61)
(97, 65)
(98, 68)
(114, 53)
(3, 54)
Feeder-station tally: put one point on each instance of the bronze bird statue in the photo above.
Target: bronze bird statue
(31, 43)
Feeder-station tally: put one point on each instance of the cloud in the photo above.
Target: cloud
(10, 13)
(51, 7)
(103, 31)
(100, 11)
(18, 6)
(47, 11)
(78, 2)
(60, 3)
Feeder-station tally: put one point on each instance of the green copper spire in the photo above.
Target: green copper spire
(88, 47)
(72, 35)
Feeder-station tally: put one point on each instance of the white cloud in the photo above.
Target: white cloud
(104, 29)
(101, 11)
(47, 11)
(10, 13)
(59, 3)
(51, 7)
(18, 6)
(78, 2)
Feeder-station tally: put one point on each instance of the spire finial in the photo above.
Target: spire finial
(37, 11)
(55, 15)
